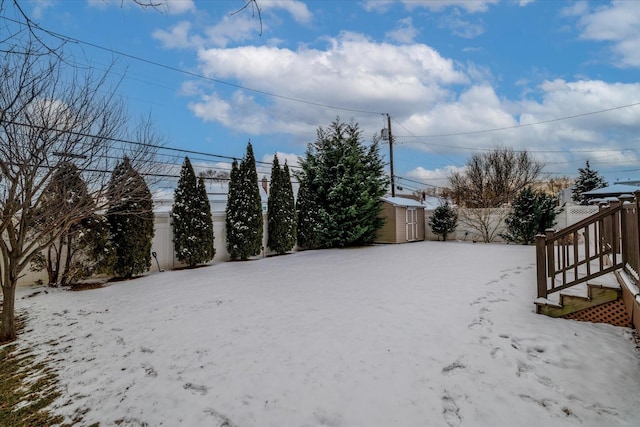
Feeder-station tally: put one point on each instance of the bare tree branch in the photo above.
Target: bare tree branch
(52, 116)
(255, 8)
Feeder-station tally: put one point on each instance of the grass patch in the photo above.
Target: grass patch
(27, 387)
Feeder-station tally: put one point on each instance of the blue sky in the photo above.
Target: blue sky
(559, 79)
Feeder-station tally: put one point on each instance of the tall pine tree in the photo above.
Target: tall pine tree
(281, 218)
(131, 221)
(192, 222)
(345, 181)
(588, 179)
(244, 209)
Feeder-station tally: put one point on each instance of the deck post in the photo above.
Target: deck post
(551, 258)
(636, 261)
(627, 249)
(541, 265)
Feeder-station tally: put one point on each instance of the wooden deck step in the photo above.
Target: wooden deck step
(574, 300)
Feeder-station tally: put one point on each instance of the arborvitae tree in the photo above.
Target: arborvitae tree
(192, 223)
(131, 219)
(444, 220)
(206, 235)
(69, 258)
(532, 213)
(233, 212)
(290, 206)
(588, 179)
(308, 216)
(244, 210)
(280, 210)
(347, 181)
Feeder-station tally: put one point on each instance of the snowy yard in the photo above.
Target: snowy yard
(422, 334)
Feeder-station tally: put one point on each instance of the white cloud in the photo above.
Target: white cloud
(578, 8)
(177, 7)
(457, 127)
(352, 72)
(619, 24)
(377, 5)
(470, 6)
(292, 159)
(404, 32)
(171, 7)
(461, 27)
(437, 177)
(178, 37)
(40, 8)
(236, 28)
(297, 9)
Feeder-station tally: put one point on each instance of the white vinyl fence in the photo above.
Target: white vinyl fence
(163, 241)
(494, 220)
(165, 258)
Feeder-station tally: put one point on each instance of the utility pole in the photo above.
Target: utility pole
(393, 184)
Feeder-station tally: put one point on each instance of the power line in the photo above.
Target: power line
(558, 119)
(186, 72)
(137, 143)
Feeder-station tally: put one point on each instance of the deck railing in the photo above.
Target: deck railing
(604, 242)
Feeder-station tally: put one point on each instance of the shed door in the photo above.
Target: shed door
(412, 223)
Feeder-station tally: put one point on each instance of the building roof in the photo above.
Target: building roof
(613, 190)
(403, 201)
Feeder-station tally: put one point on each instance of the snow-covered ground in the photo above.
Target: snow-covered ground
(422, 334)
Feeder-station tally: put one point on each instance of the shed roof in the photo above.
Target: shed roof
(403, 201)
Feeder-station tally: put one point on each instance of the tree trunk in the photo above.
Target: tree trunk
(66, 273)
(8, 326)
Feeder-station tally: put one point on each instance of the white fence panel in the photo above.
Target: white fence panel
(571, 214)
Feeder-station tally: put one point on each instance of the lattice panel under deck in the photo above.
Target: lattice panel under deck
(613, 313)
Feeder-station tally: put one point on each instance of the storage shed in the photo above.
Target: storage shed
(404, 220)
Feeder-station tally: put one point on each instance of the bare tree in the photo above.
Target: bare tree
(50, 116)
(484, 224)
(493, 178)
(215, 175)
(555, 185)
(41, 34)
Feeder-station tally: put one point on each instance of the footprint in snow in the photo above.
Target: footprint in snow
(497, 353)
(220, 419)
(450, 411)
(201, 389)
(451, 368)
(149, 370)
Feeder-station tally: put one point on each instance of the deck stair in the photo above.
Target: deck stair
(580, 269)
(588, 301)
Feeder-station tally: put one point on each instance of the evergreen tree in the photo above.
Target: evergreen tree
(73, 254)
(206, 235)
(346, 180)
(192, 222)
(289, 202)
(281, 210)
(588, 179)
(532, 213)
(233, 217)
(308, 215)
(444, 220)
(244, 209)
(131, 221)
